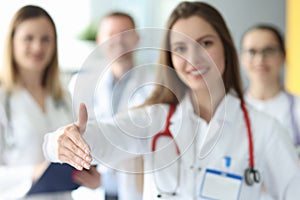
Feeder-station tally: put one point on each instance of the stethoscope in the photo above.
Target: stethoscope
(251, 175)
(167, 133)
(295, 128)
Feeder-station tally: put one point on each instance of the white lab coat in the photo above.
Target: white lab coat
(202, 146)
(279, 107)
(131, 90)
(111, 98)
(29, 124)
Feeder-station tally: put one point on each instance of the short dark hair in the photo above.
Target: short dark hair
(120, 14)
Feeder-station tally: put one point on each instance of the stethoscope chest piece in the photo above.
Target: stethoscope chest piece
(251, 176)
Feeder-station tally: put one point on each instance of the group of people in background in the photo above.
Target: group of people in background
(201, 105)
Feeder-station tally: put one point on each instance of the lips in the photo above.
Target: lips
(36, 57)
(261, 69)
(199, 72)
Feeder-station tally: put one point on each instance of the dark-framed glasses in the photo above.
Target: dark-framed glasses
(267, 52)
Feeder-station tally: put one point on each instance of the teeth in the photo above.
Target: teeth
(199, 71)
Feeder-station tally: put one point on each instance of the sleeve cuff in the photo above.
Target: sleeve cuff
(50, 146)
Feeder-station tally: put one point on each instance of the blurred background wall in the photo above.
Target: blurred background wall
(74, 18)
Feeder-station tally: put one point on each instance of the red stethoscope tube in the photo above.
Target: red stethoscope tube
(251, 175)
(166, 132)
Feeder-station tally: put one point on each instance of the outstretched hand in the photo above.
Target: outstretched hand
(72, 148)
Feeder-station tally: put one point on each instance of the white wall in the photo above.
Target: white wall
(71, 17)
(239, 14)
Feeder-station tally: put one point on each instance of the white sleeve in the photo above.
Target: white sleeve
(123, 137)
(3, 129)
(50, 146)
(115, 140)
(102, 145)
(282, 172)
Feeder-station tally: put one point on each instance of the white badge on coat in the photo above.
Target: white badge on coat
(220, 185)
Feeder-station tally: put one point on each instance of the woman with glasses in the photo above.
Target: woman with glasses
(263, 58)
(198, 138)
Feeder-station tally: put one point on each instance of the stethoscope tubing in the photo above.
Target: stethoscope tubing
(251, 174)
(293, 119)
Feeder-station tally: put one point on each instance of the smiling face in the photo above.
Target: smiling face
(262, 57)
(197, 61)
(34, 44)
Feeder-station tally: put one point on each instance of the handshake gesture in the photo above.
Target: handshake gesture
(71, 147)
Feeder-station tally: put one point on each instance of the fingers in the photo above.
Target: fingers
(87, 178)
(82, 118)
(72, 148)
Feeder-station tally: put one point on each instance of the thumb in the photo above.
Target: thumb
(82, 118)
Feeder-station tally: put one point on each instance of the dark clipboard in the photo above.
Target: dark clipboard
(56, 178)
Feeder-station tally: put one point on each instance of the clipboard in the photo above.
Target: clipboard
(56, 178)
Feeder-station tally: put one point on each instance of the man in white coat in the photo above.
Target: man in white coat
(120, 89)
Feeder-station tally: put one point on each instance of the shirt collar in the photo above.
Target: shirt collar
(225, 112)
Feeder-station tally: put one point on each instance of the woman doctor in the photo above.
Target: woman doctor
(263, 57)
(199, 140)
(34, 101)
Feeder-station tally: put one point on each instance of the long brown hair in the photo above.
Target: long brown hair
(9, 75)
(231, 76)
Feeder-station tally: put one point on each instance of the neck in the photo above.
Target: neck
(266, 91)
(120, 67)
(33, 84)
(205, 103)
(30, 80)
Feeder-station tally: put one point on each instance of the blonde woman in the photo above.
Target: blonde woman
(34, 100)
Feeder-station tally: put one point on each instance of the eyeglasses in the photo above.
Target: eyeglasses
(267, 52)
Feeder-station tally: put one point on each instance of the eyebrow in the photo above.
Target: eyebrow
(265, 47)
(197, 39)
(205, 36)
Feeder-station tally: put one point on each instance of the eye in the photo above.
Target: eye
(179, 49)
(206, 43)
(251, 52)
(46, 39)
(269, 51)
(28, 38)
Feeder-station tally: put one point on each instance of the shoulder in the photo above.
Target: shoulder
(294, 103)
(261, 119)
(261, 123)
(296, 99)
(292, 96)
(268, 129)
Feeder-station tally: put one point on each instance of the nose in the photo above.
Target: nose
(37, 45)
(197, 56)
(259, 58)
